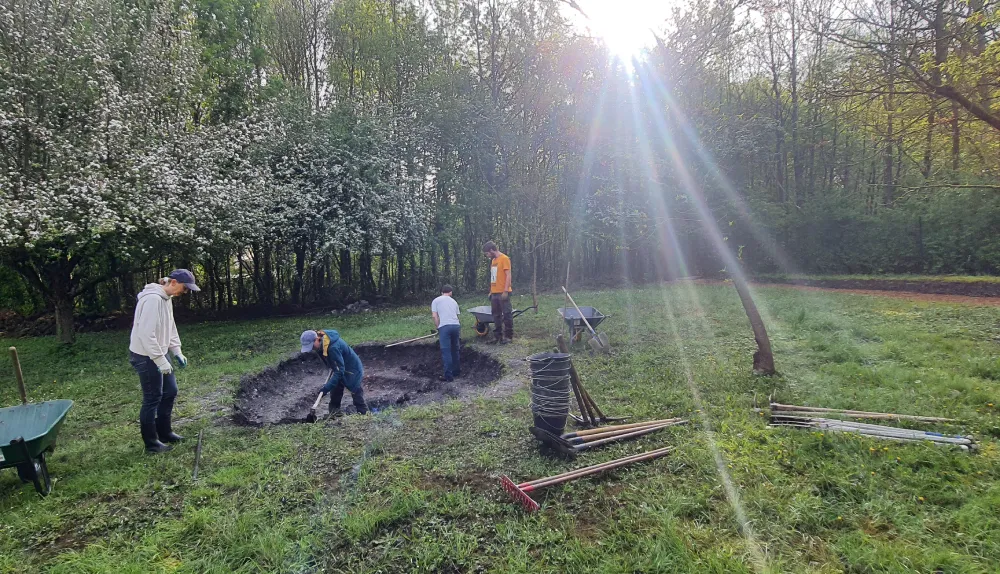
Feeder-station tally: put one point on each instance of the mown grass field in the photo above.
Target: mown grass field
(884, 277)
(414, 490)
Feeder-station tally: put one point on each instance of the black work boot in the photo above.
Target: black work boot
(164, 431)
(359, 402)
(153, 445)
(163, 427)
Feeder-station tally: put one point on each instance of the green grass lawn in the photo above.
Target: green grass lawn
(764, 277)
(416, 490)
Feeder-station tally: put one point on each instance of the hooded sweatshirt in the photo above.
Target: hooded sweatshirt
(153, 329)
(340, 357)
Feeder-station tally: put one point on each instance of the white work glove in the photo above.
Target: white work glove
(163, 364)
(181, 360)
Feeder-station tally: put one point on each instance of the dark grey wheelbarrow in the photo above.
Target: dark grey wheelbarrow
(575, 323)
(484, 317)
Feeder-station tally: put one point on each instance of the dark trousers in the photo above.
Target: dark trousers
(158, 390)
(337, 395)
(448, 336)
(503, 317)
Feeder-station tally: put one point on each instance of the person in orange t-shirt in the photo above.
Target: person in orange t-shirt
(503, 318)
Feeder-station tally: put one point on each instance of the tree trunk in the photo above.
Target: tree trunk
(64, 306)
(956, 139)
(300, 269)
(763, 359)
(447, 260)
(534, 277)
(345, 267)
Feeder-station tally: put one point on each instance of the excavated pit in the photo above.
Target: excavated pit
(399, 376)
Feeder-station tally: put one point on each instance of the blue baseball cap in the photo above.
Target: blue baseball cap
(186, 277)
(307, 339)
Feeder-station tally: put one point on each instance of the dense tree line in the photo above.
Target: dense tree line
(302, 152)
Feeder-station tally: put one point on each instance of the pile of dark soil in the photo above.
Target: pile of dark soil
(399, 376)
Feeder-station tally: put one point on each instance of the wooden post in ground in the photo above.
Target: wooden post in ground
(763, 358)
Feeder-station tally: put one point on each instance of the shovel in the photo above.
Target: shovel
(597, 342)
(311, 417)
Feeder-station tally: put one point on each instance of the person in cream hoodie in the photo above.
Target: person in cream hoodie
(154, 335)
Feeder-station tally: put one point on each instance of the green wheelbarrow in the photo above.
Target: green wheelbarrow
(27, 433)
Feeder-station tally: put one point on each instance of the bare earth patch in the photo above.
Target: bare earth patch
(399, 376)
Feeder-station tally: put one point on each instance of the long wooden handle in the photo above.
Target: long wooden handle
(581, 404)
(616, 433)
(318, 399)
(434, 334)
(585, 321)
(587, 468)
(618, 427)
(593, 404)
(600, 468)
(18, 375)
(781, 407)
(617, 437)
(582, 440)
(574, 378)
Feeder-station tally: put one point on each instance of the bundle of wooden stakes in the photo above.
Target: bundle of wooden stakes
(569, 444)
(809, 417)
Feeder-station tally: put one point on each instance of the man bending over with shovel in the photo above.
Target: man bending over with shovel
(345, 364)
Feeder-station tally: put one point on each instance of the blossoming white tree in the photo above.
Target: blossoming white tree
(87, 88)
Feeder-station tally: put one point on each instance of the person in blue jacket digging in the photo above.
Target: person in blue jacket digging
(347, 368)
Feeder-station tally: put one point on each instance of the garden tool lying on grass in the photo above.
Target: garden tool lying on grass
(433, 334)
(590, 414)
(570, 444)
(597, 342)
(520, 492)
(779, 408)
(877, 431)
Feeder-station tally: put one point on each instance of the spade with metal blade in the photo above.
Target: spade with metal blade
(311, 417)
(598, 341)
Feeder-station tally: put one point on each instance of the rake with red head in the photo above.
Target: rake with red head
(520, 492)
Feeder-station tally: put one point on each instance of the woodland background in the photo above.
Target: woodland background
(298, 153)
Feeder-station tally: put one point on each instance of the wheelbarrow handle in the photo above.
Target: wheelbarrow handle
(18, 375)
(519, 311)
(575, 306)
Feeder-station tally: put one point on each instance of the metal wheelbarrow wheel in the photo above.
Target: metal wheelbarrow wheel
(36, 472)
(482, 329)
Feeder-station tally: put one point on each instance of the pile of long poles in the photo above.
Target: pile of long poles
(572, 443)
(806, 417)
(798, 410)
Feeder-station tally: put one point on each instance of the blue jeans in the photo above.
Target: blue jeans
(448, 335)
(158, 390)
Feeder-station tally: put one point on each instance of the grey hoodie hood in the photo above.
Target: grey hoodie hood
(153, 289)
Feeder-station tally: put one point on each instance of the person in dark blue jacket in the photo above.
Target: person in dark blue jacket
(347, 368)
